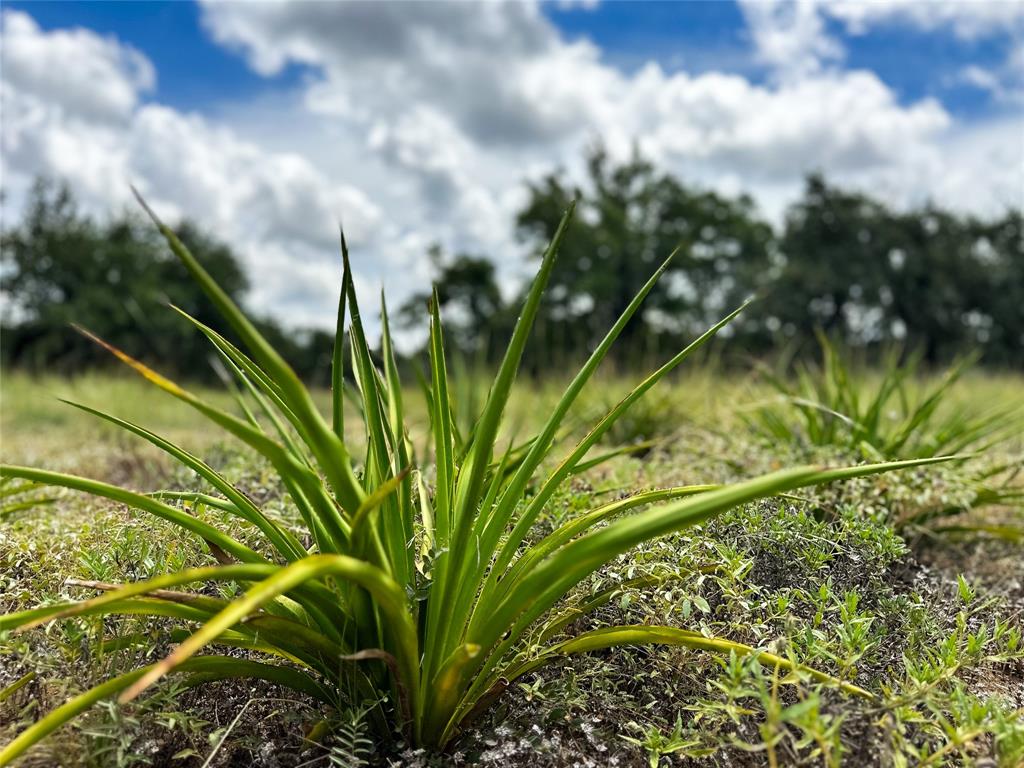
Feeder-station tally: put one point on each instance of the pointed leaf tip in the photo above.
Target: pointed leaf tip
(145, 206)
(344, 243)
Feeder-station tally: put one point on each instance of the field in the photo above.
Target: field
(835, 575)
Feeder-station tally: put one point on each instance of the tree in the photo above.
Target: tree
(927, 278)
(469, 297)
(834, 247)
(116, 279)
(629, 219)
(999, 302)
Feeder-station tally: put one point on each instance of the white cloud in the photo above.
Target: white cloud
(88, 77)
(790, 37)
(968, 19)
(793, 38)
(418, 122)
(436, 94)
(1005, 82)
(276, 209)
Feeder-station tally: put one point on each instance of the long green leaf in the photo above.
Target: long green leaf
(286, 544)
(325, 444)
(609, 637)
(137, 501)
(202, 669)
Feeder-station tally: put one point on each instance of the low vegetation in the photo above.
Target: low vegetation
(414, 585)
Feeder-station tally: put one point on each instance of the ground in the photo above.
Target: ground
(929, 623)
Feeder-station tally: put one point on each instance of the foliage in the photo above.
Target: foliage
(927, 278)
(889, 414)
(419, 605)
(843, 261)
(468, 294)
(61, 267)
(832, 403)
(631, 213)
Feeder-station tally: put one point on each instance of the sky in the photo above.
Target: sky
(422, 122)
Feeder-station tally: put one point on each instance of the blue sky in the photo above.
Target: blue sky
(420, 123)
(196, 73)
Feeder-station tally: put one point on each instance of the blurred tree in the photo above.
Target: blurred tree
(835, 246)
(926, 278)
(998, 302)
(629, 219)
(115, 279)
(470, 301)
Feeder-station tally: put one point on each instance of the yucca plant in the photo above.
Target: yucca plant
(412, 593)
(830, 403)
(892, 416)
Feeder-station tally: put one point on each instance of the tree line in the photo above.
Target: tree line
(928, 279)
(871, 277)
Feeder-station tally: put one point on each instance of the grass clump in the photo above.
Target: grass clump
(408, 591)
(831, 404)
(893, 415)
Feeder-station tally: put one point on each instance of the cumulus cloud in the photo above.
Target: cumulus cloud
(968, 19)
(88, 77)
(793, 36)
(464, 100)
(275, 208)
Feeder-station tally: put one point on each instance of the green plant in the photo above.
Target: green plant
(650, 422)
(890, 416)
(417, 603)
(655, 743)
(833, 404)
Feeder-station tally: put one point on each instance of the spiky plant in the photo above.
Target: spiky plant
(415, 596)
(832, 404)
(891, 416)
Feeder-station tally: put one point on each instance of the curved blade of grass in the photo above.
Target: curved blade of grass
(622, 450)
(441, 635)
(291, 469)
(441, 427)
(17, 685)
(504, 623)
(338, 353)
(402, 447)
(33, 617)
(375, 499)
(137, 501)
(584, 522)
(141, 606)
(542, 443)
(265, 394)
(286, 544)
(202, 669)
(593, 602)
(576, 559)
(388, 595)
(328, 448)
(610, 637)
(13, 508)
(533, 510)
(319, 602)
